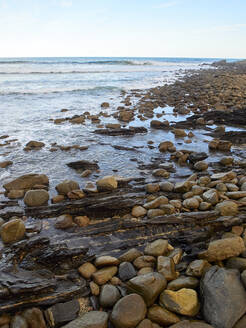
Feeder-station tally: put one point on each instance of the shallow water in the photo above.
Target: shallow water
(34, 90)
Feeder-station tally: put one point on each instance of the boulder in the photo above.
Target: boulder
(157, 247)
(183, 282)
(64, 221)
(12, 231)
(66, 186)
(183, 301)
(224, 297)
(26, 182)
(227, 208)
(126, 271)
(34, 318)
(162, 316)
(149, 286)
(167, 186)
(191, 324)
(109, 296)
(86, 270)
(138, 211)
(201, 166)
(102, 276)
(34, 144)
(92, 319)
(166, 267)
(128, 312)
(211, 196)
(191, 203)
(106, 260)
(36, 197)
(130, 255)
(108, 183)
(222, 249)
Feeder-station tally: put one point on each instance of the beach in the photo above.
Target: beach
(123, 192)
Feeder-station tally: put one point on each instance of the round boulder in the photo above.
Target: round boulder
(36, 197)
(66, 186)
(12, 231)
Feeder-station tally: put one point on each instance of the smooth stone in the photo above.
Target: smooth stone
(182, 187)
(227, 208)
(95, 289)
(157, 247)
(102, 276)
(107, 183)
(64, 221)
(138, 211)
(223, 249)
(197, 268)
(126, 271)
(183, 282)
(92, 319)
(241, 323)
(145, 271)
(86, 270)
(130, 255)
(144, 261)
(191, 324)
(34, 318)
(183, 301)
(146, 323)
(36, 197)
(82, 221)
(128, 312)
(149, 286)
(201, 166)
(106, 261)
(18, 322)
(167, 186)
(236, 194)
(66, 186)
(211, 196)
(176, 255)
(224, 297)
(238, 263)
(152, 187)
(26, 182)
(162, 200)
(109, 296)
(225, 176)
(191, 203)
(12, 231)
(62, 313)
(162, 316)
(16, 194)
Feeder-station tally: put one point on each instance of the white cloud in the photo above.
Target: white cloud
(66, 3)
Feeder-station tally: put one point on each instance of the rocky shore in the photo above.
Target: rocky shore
(165, 248)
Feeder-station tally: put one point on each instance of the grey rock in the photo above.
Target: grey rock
(109, 296)
(93, 319)
(126, 271)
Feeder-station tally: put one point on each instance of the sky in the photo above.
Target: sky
(133, 28)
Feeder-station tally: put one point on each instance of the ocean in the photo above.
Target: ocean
(34, 90)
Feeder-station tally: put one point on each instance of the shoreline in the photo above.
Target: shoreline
(190, 191)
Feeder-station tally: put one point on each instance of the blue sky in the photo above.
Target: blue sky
(160, 28)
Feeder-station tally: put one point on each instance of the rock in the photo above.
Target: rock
(241, 323)
(201, 166)
(4, 319)
(83, 165)
(149, 286)
(144, 261)
(197, 268)
(167, 209)
(182, 187)
(223, 249)
(130, 255)
(162, 316)
(155, 124)
(152, 187)
(232, 187)
(58, 199)
(183, 282)
(138, 211)
(167, 186)
(113, 126)
(34, 318)
(126, 271)
(105, 105)
(64, 221)
(204, 206)
(36, 197)
(176, 203)
(238, 263)
(76, 194)
(107, 183)
(18, 322)
(166, 267)
(92, 319)
(228, 160)
(146, 323)
(16, 194)
(86, 270)
(82, 221)
(34, 144)
(26, 182)
(62, 313)
(145, 271)
(106, 261)
(176, 255)
(157, 247)
(224, 297)
(128, 312)
(183, 301)
(12, 231)
(227, 208)
(109, 296)
(191, 203)
(161, 173)
(95, 289)
(211, 196)
(102, 276)
(196, 157)
(162, 200)
(66, 186)
(221, 187)
(180, 133)
(236, 194)
(154, 213)
(225, 177)
(5, 164)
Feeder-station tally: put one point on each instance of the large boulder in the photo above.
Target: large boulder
(26, 182)
(12, 231)
(224, 297)
(128, 312)
(227, 208)
(149, 286)
(222, 249)
(36, 197)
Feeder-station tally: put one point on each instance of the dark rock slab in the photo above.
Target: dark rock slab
(62, 313)
(121, 132)
(224, 297)
(83, 165)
